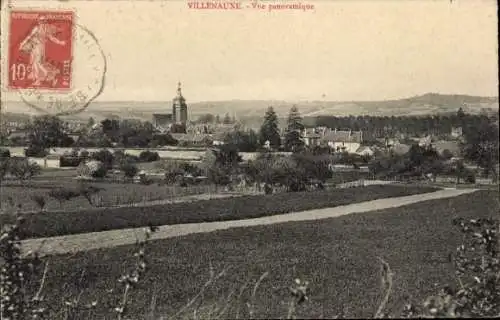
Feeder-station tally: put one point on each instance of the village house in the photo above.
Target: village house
(192, 139)
(311, 137)
(452, 146)
(400, 148)
(19, 136)
(218, 138)
(456, 132)
(162, 121)
(342, 141)
(425, 141)
(366, 151)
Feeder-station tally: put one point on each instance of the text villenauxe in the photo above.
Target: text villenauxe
(214, 5)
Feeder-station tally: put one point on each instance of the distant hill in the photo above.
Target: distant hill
(430, 103)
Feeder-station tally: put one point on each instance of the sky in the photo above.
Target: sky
(341, 50)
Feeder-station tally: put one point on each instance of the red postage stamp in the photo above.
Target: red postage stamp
(40, 50)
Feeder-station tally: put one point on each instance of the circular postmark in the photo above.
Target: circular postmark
(88, 68)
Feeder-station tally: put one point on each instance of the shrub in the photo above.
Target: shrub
(84, 154)
(129, 169)
(40, 201)
(447, 154)
(4, 167)
(35, 151)
(477, 268)
(23, 169)
(105, 157)
(149, 156)
(100, 172)
(70, 161)
(62, 194)
(95, 169)
(4, 153)
(470, 177)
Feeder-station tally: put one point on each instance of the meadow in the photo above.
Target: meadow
(337, 256)
(46, 224)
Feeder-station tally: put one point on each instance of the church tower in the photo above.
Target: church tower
(179, 107)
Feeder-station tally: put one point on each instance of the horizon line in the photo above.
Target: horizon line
(294, 100)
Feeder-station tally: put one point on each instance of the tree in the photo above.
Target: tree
(149, 156)
(162, 140)
(90, 122)
(62, 194)
(294, 121)
(103, 156)
(244, 141)
(269, 130)
(206, 118)
(220, 163)
(4, 167)
(447, 154)
(23, 169)
(111, 128)
(48, 131)
(129, 169)
(481, 146)
(4, 153)
(227, 119)
(293, 140)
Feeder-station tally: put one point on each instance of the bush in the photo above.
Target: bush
(470, 177)
(100, 172)
(129, 169)
(149, 156)
(84, 154)
(23, 169)
(447, 154)
(477, 269)
(105, 157)
(62, 194)
(95, 169)
(162, 140)
(4, 153)
(35, 151)
(69, 161)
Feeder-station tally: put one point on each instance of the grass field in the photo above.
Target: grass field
(112, 194)
(46, 224)
(337, 256)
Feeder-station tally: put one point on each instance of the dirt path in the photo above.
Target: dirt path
(107, 239)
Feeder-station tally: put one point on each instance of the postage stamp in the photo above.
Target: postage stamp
(55, 64)
(40, 49)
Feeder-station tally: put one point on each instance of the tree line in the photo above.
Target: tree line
(412, 126)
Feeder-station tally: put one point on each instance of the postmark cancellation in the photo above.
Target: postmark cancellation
(55, 64)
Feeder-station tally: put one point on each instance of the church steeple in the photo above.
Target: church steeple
(179, 107)
(179, 93)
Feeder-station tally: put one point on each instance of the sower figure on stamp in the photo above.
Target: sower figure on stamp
(34, 44)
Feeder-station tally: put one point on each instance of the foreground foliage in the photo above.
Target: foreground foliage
(338, 257)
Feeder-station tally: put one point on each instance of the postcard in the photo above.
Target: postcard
(206, 159)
